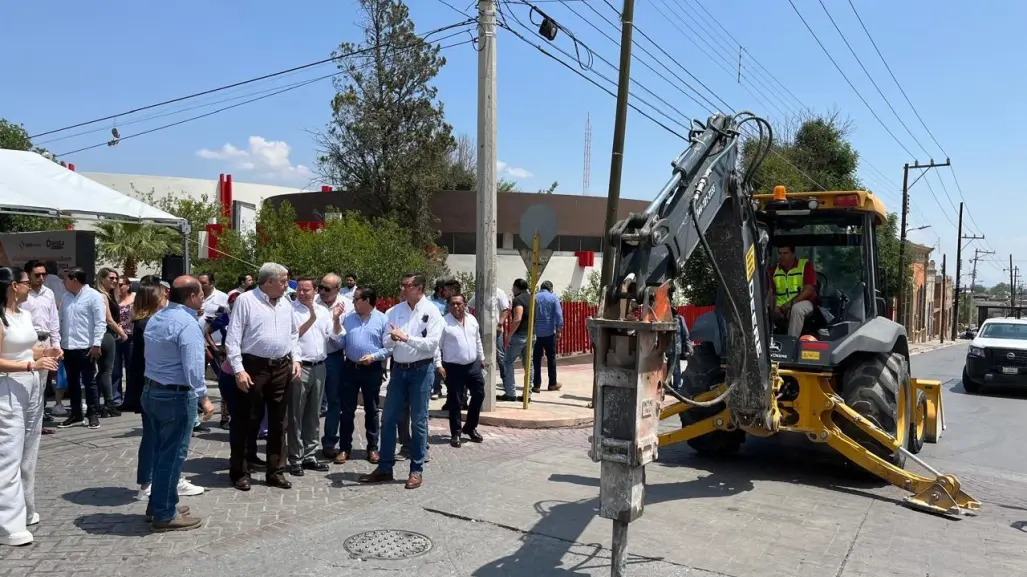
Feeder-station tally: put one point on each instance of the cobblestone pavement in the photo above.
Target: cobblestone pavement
(524, 503)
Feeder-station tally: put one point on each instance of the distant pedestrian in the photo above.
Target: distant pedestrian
(263, 348)
(175, 371)
(517, 346)
(548, 327)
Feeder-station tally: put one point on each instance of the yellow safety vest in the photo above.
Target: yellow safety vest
(788, 283)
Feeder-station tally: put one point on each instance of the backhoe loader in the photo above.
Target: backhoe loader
(843, 383)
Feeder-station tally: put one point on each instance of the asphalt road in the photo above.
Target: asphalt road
(525, 503)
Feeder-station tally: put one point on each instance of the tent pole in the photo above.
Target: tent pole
(185, 247)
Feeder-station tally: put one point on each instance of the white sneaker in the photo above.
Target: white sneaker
(187, 489)
(16, 539)
(144, 492)
(59, 410)
(33, 520)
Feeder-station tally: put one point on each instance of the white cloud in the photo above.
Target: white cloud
(268, 158)
(507, 171)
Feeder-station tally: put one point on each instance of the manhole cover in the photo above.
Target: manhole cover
(387, 544)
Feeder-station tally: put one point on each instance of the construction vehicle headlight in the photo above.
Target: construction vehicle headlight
(976, 352)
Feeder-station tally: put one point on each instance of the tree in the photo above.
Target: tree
(505, 185)
(199, 212)
(130, 245)
(589, 292)
(15, 137)
(462, 171)
(550, 189)
(388, 141)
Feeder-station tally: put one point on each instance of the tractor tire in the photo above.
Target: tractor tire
(969, 385)
(702, 373)
(918, 424)
(879, 389)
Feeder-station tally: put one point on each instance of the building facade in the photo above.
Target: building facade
(577, 247)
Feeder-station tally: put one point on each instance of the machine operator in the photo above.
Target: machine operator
(794, 290)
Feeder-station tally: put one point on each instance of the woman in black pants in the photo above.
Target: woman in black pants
(107, 278)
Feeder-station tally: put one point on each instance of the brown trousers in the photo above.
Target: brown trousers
(271, 381)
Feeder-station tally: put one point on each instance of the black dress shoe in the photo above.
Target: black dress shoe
(279, 481)
(474, 436)
(296, 470)
(454, 441)
(201, 428)
(242, 483)
(316, 466)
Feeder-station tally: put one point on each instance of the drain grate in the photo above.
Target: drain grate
(387, 544)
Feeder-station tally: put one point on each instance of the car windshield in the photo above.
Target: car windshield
(1016, 331)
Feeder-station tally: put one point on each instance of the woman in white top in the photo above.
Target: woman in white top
(21, 408)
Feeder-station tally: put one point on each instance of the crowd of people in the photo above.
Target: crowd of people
(284, 351)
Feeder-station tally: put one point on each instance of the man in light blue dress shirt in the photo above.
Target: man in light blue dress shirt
(175, 357)
(363, 338)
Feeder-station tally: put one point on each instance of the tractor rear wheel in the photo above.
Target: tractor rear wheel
(702, 373)
(879, 389)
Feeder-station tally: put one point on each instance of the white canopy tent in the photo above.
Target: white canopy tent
(36, 186)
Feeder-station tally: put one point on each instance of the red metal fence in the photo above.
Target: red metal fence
(575, 334)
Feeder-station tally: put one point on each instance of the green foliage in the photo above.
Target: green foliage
(549, 189)
(699, 281)
(505, 185)
(15, 137)
(129, 245)
(388, 141)
(467, 283)
(199, 212)
(378, 251)
(590, 291)
(462, 170)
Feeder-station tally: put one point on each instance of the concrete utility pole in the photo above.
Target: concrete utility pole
(620, 123)
(485, 253)
(941, 317)
(902, 231)
(972, 313)
(959, 278)
(923, 301)
(1012, 287)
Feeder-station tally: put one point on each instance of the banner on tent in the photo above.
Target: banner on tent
(66, 248)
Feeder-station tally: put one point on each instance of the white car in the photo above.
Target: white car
(997, 355)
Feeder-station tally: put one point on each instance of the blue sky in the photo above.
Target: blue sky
(96, 59)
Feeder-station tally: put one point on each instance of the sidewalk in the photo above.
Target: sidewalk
(917, 348)
(567, 407)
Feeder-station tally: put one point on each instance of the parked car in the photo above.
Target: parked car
(997, 355)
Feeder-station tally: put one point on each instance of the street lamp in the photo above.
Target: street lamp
(918, 228)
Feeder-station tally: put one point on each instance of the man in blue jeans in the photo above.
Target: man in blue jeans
(517, 347)
(415, 329)
(175, 366)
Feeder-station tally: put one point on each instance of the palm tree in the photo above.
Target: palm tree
(133, 244)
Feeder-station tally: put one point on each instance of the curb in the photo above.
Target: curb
(941, 346)
(515, 423)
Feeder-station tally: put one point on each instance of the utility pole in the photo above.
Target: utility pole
(620, 123)
(485, 259)
(923, 301)
(1012, 284)
(959, 277)
(941, 317)
(978, 253)
(902, 234)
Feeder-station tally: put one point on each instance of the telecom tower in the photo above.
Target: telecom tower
(588, 155)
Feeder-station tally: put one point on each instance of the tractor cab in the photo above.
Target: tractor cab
(835, 233)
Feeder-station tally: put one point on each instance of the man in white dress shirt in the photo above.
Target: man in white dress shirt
(42, 306)
(459, 362)
(83, 318)
(316, 325)
(415, 328)
(263, 349)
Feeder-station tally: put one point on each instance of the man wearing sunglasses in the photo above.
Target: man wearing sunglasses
(331, 401)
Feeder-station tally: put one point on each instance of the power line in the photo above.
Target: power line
(244, 82)
(594, 83)
(223, 109)
(849, 82)
(871, 78)
(896, 80)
